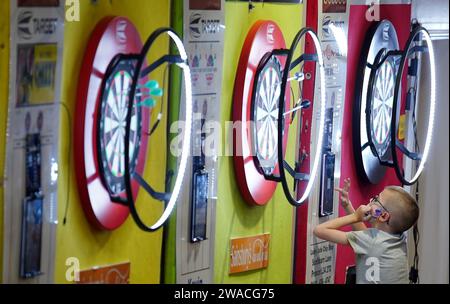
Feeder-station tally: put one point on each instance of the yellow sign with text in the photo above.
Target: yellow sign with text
(249, 253)
(36, 72)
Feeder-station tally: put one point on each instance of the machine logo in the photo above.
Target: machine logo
(330, 26)
(326, 27)
(25, 25)
(28, 26)
(199, 26)
(121, 28)
(195, 26)
(270, 31)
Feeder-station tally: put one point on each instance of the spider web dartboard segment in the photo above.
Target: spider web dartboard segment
(112, 120)
(266, 109)
(382, 103)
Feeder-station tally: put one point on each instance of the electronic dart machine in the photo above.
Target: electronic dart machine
(372, 58)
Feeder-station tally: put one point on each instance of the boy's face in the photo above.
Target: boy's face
(378, 209)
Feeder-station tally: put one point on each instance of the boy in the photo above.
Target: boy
(381, 255)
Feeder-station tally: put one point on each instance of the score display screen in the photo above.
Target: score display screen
(199, 207)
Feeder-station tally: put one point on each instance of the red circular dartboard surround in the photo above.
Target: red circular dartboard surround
(262, 38)
(112, 36)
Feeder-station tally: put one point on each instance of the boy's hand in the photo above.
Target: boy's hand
(344, 198)
(363, 213)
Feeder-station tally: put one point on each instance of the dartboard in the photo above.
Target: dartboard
(381, 106)
(99, 127)
(374, 101)
(112, 123)
(265, 115)
(255, 112)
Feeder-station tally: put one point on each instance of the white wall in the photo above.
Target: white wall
(433, 15)
(434, 182)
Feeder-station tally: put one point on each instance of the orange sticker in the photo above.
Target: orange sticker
(249, 253)
(115, 274)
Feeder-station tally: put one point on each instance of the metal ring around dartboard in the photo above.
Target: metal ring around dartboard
(291, 63)
(373, 107)
(415, 156)
(142, 70)
(263, 37)
(111, 37)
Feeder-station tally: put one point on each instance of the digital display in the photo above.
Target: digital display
(327, 185)
(199, 207)
(31, 239)
(33, 164)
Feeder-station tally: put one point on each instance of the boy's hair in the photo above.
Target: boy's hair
(404, 208)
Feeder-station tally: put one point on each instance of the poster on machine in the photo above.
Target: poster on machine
(31, 174)
(333, 17)
(204, 40)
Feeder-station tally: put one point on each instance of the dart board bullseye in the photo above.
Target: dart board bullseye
(102, 98)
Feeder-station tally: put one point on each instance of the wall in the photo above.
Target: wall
(235, 218)
(4, 64)
(77, 238)
(433, 184)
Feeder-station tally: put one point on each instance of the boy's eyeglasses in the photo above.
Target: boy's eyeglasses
(376, 199)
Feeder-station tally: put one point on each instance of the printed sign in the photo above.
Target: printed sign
(322, 263)
(115, 274)
(249, 253)
(36, 68)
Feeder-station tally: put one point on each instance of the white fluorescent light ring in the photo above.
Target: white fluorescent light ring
(186, 138)
(318, 152)
(431, 117)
